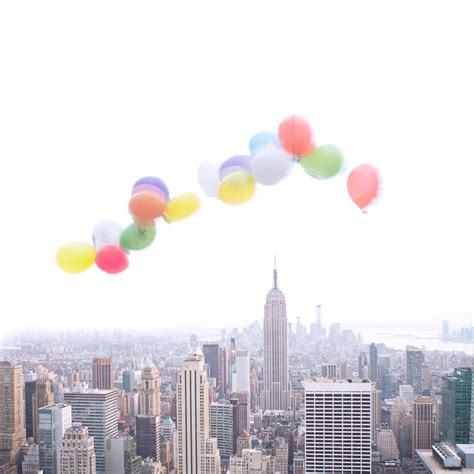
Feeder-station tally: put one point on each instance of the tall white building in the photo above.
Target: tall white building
(98, 410)
(150, 390)
(241, 374)
(276, 393)
(197, 452)
(53, 421)
(77, 451)
(338, 426)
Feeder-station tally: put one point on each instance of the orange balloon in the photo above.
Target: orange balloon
(296, 135)
(146, 206)
(363, 185)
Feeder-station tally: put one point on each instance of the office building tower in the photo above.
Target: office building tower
(280, 452)
(242, 399)
(53, 421)
(414, 362)
(363, 366)
(276, 393)
(376, 411)
(422, 435)
(252, 461)
(170, 436)
(338, 416)
(31, 463)
(456, 398)
(346, 371)
(120, 456)
(76, 455)
(222, 379)
(387, 444)
(223, 421)
(329, 371)
(373, 363)
(407, 392)
(406, 437)
(30, 390)
(42, 397)
(97, 410)
(241, 374)
(384, 378)
(400, 409)
(102, 373)
(128, 380)
(12, 429)
(215, 356)
(150, 390)
(445, 335)
(147, 434)
(197, 452)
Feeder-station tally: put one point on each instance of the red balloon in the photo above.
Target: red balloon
(363, 185)
(111, 259)
(296, 135)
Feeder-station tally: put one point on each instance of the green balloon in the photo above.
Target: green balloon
(322, 162)
(135, 237)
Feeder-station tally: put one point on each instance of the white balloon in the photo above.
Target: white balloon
(107, 232)
(208, 177)
(271, 164)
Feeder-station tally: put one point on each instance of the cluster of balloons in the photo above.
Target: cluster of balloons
(271, 159)
(113, 242)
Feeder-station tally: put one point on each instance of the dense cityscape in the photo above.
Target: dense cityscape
(269, 398)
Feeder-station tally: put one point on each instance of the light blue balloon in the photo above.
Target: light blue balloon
(261, 139)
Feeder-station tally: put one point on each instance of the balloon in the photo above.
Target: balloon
(106, 232)
(146, 206)
(296, 135)
(235, 164)
(75, 257)
(182, 206)
(208, 178)
(271, 164)
(111, 259)
(262, 139)
(136, 237)
(148, 187)
(237, 188)
(363, 185)
(157, 182)
(322, 162)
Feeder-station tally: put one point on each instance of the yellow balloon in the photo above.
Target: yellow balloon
(75, 257)
(182, 206)
(237, 188)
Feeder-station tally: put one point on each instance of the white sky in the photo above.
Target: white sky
(94, 95)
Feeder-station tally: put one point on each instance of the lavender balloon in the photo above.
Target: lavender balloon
(235, 163)
(157, 182)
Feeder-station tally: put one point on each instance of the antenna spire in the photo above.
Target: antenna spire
(275, 273)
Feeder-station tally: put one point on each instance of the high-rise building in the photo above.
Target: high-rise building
(53, 421)
(242, 400)
(363, 366)
(387, 444)
(338, 416)
(197, 452)
(215, 356)
(97, 410)
(316, 328)
(373, 363)
(102, 373)
(169, 434)
(280, 452)
(456, 397)
(128, 380)
(241, 374)
(120, 456)
(150, 390)
(42, 397)
(415, 360)
(276, 393)
(12, 429)
(422, 436)
(346, 371)
(76, 455)
(329, 371)
(147, 433)
(376, 411)
(30, 390)
(31, 463)
(222, 422)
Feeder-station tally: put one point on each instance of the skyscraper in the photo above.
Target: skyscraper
(168, 432)
(128, 380)
(96, 409)
(120, 456)
(215, 356)
(147, 433)
(222, 423)
(338, 426)
(197, 452)
(276, 391)
(102, 373)
(30, 390)
(373, 363)
(329, 371)
(12, 430)
(422, 436)
(53, 421)
(150, 390)
(414, 362)
(241, 375)
(43, 396)
(76, 455)
(456, 397)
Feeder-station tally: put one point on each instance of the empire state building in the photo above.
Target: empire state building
(276, 385)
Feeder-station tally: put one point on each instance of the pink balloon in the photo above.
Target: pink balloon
(363, 185)
(111, 259)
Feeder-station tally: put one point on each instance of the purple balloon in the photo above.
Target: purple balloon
(148, 187)
(235, 163)
(157, 182)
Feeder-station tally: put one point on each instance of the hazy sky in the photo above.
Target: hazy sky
(94, 95)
